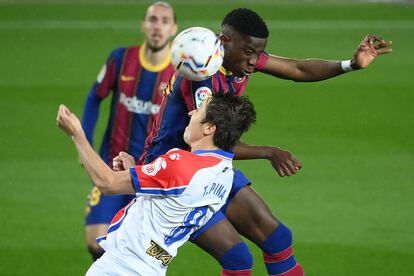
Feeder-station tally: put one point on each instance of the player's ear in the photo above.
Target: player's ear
(209, 129)
(225, 38)
(174, 30)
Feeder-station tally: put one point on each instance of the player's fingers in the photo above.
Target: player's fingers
(123, 153)
(296, 162)
(383, 45)
(290, 166)
(378, 38)
(286, 170)
(279, 170)
(384, 51)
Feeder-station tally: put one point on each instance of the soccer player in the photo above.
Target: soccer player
(244, 35)
(136, 77)
(175, 194)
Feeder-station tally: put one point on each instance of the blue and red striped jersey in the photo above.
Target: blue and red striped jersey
(182, 96)
(136, 87)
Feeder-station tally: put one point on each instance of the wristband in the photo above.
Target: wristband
(346, 66)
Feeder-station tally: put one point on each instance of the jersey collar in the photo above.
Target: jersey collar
(150, 67)
(221, 153)
(225, 72)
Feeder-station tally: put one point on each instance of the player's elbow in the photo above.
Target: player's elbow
(106, 185)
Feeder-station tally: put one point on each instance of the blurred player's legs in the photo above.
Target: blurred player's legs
(228, 248)
(252, 218)
(108, 265)
(100, 211)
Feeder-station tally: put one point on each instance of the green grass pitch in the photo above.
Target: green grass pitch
(350, 207)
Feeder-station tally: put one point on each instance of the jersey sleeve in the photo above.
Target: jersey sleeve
(101, 88)
(194, 92)
(164, 176)
(261, 61)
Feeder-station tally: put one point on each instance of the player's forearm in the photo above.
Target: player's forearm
(102, 176)
(243, 151)
(302, 70)
(317, 70)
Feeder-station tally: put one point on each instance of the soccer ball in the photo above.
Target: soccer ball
(197, 53)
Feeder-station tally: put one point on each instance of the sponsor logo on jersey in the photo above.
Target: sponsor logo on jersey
(154, 167)
(101, 74)
(135, 105)
(202, 93)
(159, 253)
(175, 156)
(127, 78)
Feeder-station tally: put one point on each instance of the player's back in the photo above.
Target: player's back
(176, 195)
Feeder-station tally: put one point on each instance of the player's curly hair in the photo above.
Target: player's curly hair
(232, 116)
(247, 22)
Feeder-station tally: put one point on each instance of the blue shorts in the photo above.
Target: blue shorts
(239, 182)
(102, 208)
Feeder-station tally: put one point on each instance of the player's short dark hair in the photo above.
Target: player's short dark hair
(247, 22)
(232, 116)
(165, 5)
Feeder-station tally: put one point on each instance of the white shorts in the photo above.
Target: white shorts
(108, 265)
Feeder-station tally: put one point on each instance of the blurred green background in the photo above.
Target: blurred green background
(350, 207)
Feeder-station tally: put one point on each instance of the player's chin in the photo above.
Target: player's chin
(239, 73)
(157, 45)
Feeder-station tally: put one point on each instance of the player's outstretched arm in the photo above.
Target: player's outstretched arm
(282, 161)
(107, 181)
(307, 70)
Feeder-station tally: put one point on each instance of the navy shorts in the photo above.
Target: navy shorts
(239, 182)
(102, 208)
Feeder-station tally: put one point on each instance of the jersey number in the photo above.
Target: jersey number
(191, 221)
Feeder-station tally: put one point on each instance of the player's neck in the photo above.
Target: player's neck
(203, 145)
(156, 57)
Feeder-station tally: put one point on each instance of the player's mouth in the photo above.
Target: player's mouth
(247, 72)
(156, 37)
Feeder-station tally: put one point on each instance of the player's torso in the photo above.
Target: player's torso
(152, 228)
(182, 96)
(136, 100)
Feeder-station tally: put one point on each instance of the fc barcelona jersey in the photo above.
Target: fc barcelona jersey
(136, 88)
(183, 96)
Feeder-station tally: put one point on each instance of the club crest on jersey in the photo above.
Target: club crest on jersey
(202, 93)
(239, 80)
(154, 167)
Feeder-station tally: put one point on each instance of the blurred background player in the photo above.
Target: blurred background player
(136, 77)
(244, 36)
(175, 194)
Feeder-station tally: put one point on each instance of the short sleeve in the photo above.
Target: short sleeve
(261, 61)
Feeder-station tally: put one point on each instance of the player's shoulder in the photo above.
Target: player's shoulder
(120, 51)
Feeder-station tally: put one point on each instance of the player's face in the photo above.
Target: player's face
(241, 52)
(158, 27)
(194, 132)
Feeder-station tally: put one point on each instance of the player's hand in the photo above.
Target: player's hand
(284, 162)
(67, 121)
(123, 161)
(369, 48)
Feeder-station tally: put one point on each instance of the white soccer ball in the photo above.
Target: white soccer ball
(197, 53)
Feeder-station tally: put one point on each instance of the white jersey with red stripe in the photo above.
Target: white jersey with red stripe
(176, 195)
